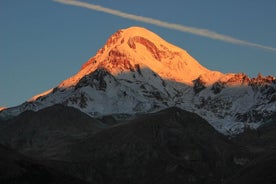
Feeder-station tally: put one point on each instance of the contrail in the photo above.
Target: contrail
(178, 27)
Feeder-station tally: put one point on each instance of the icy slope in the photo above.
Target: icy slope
(136, 47)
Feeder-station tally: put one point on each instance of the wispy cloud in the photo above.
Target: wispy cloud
(178, 27)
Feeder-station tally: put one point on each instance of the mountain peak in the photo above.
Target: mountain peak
(134, 46)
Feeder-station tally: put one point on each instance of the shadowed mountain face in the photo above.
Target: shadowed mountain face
(47, 132)
(262, 170)
(262, 143)
(261, 140)
(17, 168)
(171, 146)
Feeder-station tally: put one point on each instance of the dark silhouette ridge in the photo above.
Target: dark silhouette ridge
(17, 168)
(46, 132)
(170, 146)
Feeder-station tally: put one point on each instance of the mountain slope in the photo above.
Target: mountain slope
(17, 168)
(137, 72)
(48, 131)
(261, 170)
(170, 146)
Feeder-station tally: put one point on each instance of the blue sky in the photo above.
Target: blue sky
(45, 42)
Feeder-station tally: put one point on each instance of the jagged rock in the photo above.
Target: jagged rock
(239, 79)
(95, 80)
(217, 87)
(199, 85)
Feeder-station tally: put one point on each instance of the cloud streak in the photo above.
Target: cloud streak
(178, 27)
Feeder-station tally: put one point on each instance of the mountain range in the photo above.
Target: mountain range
(143, 111)
(137, 72)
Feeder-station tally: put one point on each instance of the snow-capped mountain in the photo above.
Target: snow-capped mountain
(136, 71)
